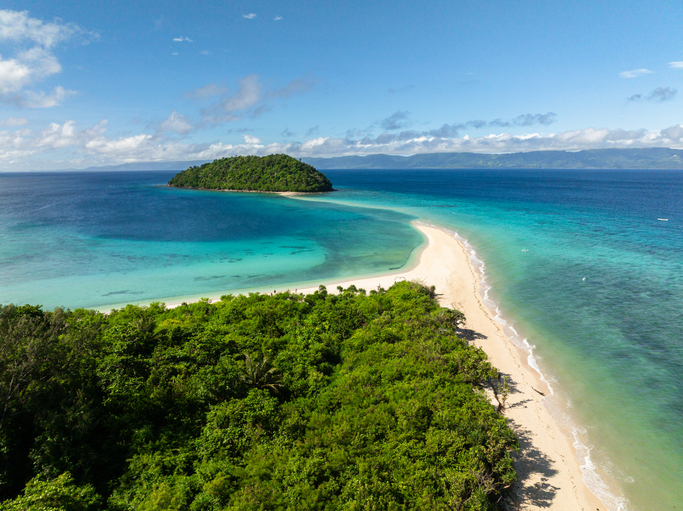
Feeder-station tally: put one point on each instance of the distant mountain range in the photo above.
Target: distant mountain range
(150, 165)
(651, 158)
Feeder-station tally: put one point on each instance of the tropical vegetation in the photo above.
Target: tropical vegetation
(272, 173)
(286, 402)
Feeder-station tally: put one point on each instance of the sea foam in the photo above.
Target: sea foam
(553, 404)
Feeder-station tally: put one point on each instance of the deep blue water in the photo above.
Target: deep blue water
(581, 262)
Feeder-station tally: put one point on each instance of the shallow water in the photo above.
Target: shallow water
(578, 262)
(92, 239)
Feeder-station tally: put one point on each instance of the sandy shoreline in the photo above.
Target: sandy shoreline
(549, 473)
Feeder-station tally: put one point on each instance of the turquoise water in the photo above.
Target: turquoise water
(577, 261)
(92, 240)
(582, 266)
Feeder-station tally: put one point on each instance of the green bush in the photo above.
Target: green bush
(348, 401)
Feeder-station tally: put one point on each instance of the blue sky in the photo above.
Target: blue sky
(98, 83)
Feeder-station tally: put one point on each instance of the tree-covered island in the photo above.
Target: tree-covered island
(272, 173)
(355, 401)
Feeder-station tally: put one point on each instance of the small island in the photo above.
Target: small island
(272, 173)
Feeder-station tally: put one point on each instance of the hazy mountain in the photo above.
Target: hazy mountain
(653, 158)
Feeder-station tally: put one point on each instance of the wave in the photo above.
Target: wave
(553, 404)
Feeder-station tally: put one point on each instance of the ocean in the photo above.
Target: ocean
(584, 267)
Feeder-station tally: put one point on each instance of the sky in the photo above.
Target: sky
(103, 83)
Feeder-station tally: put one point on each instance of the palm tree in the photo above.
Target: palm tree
(259, 373)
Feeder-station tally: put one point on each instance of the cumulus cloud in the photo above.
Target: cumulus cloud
(176, 123)
(42, 100)
(252, 140)
(635, 73)
(249, 16)
(182, 39)
(673, 133)
(92, 146)
(34, 61)
(18, 27)
(659, 95)
(26, 68)
(414, 143)
(676, 65)
(250, 99)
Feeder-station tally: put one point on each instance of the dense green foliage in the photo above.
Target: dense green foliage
(287, 402)
(273, 173)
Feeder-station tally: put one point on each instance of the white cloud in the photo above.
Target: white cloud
(28, 67)
(13, 75)
(674, 133)
(42, 100)
(89, 147)
(248, 94)
(589, 138)
(251, 140)
(182, 39)
(122, 147)
(635, 73)
(249, 16)
(177, 123)
(676, 65)
(34, 60)
(174, 53)
(57, 136)
(205, 52)
(13, 122)
(231, 108)
(250, 99)
(277, 18)
(18, 27)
